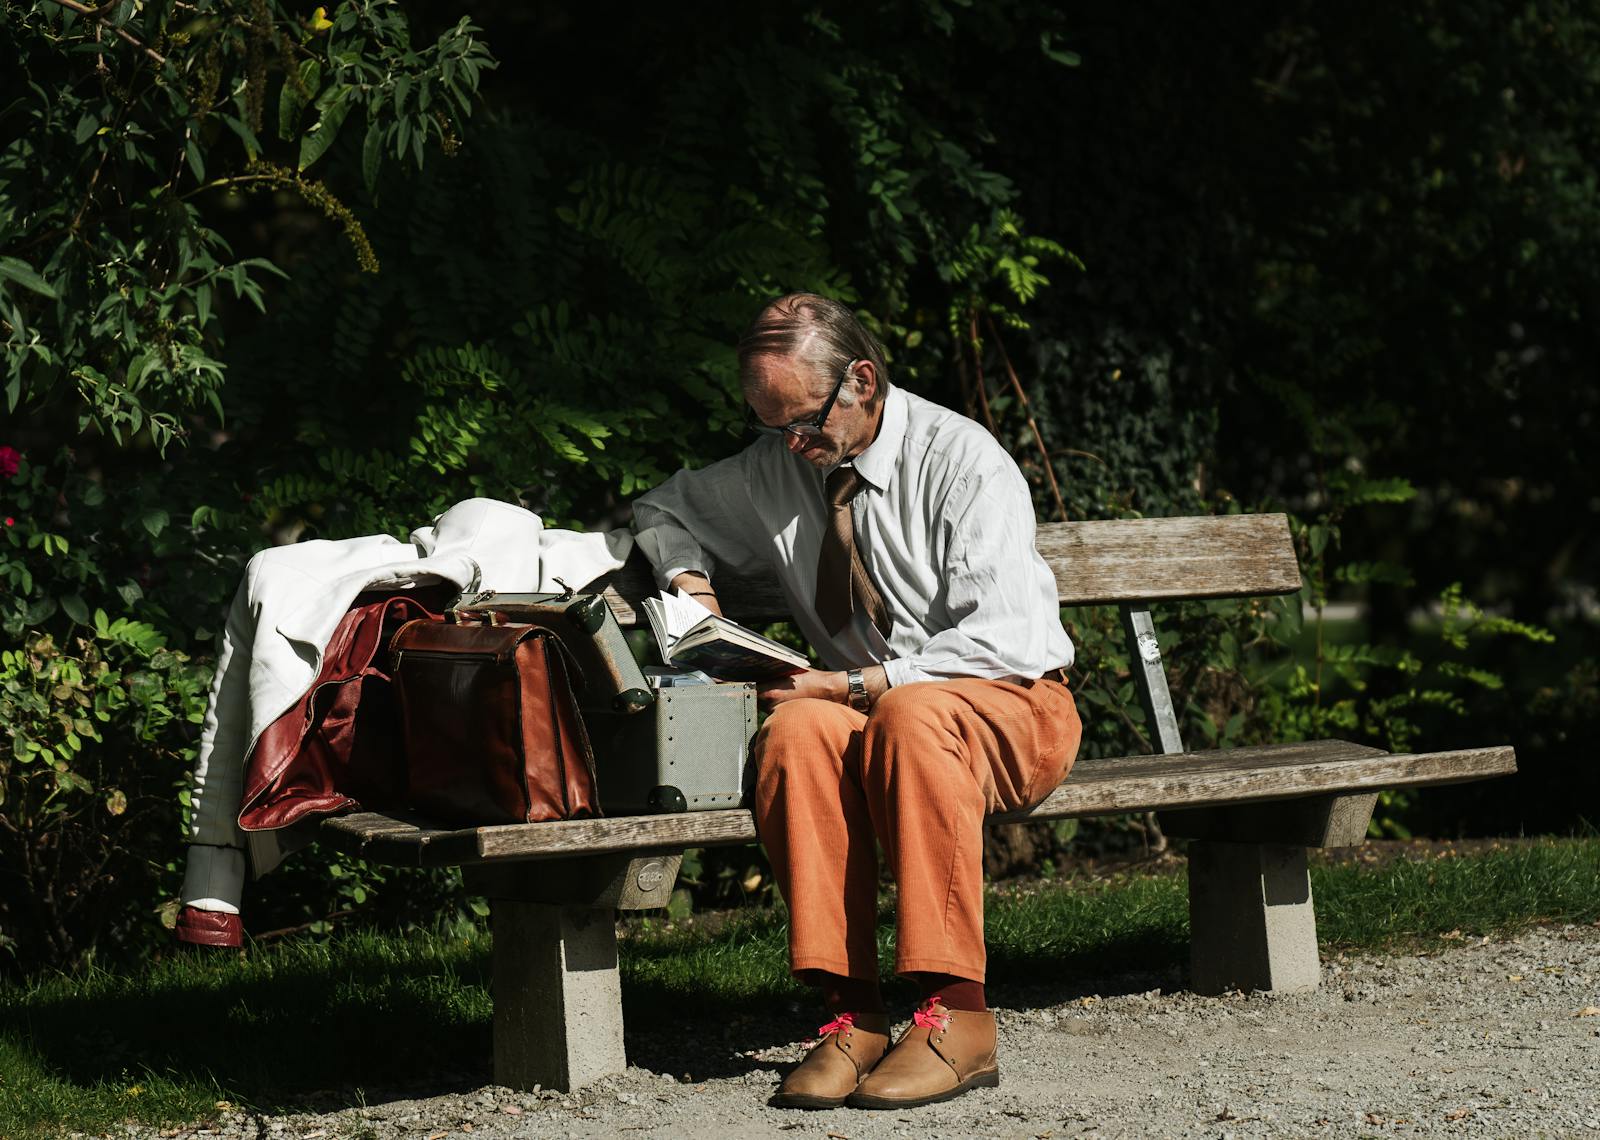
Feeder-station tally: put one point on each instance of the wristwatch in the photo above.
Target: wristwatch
(858, 697)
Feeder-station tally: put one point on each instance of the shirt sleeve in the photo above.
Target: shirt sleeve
(1001, 597)
(698, 520)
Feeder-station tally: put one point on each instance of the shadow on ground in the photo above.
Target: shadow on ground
(658, 1017)
(301, 1036)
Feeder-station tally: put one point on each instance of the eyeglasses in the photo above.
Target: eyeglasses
(803, 429)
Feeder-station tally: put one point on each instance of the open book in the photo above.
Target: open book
(692, 637)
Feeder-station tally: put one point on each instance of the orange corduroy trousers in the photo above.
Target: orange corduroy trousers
(916, 776)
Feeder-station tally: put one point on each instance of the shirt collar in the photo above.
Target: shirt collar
(878, 462)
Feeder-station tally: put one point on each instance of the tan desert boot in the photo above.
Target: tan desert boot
(851, 1044)
(943, 1054)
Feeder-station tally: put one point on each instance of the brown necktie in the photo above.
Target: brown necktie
(842, 581)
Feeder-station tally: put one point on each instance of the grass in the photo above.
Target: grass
(295, 1024)
(313, 1024)
(1411, 904)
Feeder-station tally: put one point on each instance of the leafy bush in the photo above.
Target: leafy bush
(132, 134)
(93, 765)
(130, 119)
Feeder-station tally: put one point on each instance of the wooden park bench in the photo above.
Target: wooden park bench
(1251, 813)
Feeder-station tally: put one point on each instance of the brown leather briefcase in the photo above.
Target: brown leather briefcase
(490, 728)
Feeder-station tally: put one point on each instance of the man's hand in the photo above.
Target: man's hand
(817, 683)
(821, 684)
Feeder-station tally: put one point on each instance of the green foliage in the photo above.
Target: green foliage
(331, 891)
(1354, 253)
(129, 125)
(101, 1049)
(1374, 692)
(1430, 318)
(131, 134)
(738, 876)
(95, 752)
(1329, 279)
(556, 320)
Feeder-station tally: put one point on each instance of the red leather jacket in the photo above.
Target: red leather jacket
(338, 747)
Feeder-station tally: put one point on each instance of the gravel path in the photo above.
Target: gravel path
(1491, 1038)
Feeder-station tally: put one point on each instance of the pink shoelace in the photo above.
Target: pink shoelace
(837, 1025)
(925, 1018)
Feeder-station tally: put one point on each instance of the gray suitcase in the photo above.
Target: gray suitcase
(667, 749)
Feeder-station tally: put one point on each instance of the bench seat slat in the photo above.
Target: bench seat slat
(1255, 774)
(1096, 787)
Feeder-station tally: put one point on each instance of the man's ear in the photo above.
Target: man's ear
(866, 379)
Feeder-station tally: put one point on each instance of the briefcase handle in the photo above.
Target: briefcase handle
(599, 663)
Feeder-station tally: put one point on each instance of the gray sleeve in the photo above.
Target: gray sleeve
(699, 520)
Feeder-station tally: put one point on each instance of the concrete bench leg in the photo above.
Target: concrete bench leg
(557, 995)
(1250, 918)
(557, 992)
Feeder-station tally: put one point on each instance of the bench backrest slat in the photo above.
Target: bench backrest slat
(1152, 560)
(1095, 563)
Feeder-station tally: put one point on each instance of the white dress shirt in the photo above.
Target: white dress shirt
(944, 523)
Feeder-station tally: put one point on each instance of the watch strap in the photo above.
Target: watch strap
(858, 698)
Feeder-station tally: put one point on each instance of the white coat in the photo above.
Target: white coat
(285, 611)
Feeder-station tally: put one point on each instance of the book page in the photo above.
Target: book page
(684, 612)
(655, 610)
(691, 636)
(672, 615)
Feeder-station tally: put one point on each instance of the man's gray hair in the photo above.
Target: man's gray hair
(821, 334)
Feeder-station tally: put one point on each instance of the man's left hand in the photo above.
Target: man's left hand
(822, 685)
(818, 683)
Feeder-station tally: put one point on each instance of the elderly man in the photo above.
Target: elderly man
(903, 537)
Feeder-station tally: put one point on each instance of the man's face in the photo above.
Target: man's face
(782, 391)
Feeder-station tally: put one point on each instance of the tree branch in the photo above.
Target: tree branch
(1038, 437)
(1082, 677)
(234, 180)
(99, 16)
(977, 367)
(284, 932)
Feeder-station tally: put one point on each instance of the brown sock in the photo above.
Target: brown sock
(846, 995)
(952, 992)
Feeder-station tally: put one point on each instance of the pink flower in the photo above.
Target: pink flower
(10, 461)
(10, 521)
